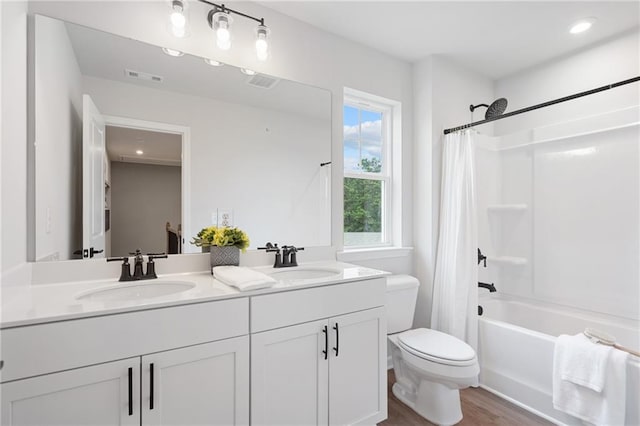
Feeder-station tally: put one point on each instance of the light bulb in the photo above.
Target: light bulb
(223, 33)
(582, 26)
(262, 55)
(172, 52)
(223, 44)
(213, 62)
(262, 43)
(178, 19)
(221, 22)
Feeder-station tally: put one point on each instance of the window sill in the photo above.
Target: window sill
(357, 254)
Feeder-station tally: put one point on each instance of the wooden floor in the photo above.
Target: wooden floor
(479, 408)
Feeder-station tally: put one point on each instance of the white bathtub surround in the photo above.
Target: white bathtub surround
(455, 295)
(598, 398)
(517, 337)
(242, 278)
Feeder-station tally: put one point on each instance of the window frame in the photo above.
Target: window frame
(360, 102)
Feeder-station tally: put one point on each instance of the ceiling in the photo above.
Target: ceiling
(157, 148)
(494, 38)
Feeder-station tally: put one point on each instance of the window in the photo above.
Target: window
(367, 172)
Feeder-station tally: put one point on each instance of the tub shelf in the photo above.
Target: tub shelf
(500, 208)
(507, 260)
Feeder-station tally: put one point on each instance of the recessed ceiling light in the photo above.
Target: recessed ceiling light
(213, 62)
(248, 71)
(172, 52)
(139, 152)
(582, 25)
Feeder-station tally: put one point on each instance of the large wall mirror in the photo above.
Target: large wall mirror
(136, 144)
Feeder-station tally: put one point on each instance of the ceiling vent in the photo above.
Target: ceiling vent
(143, 76)
(262, 81)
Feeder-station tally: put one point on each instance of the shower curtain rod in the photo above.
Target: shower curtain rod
(544, 104)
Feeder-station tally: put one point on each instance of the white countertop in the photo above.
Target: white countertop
(35, 304)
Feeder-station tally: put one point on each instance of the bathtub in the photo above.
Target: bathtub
(515, 349)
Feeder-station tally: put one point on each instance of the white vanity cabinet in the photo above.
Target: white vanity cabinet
(49, 376)
(198, 385)
(309, 355)
(96, 395)
(328, 371)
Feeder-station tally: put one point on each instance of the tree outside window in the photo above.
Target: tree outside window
(366, 176)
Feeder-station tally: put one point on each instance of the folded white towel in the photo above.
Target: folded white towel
(598, 397)
(244, 279)
(581, 361)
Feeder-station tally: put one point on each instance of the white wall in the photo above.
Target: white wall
(264, 165)
(58, 136)
(443, 92)
(580, 233)
(14, 137)
(300, 53)
(608, 62)
(144, 197)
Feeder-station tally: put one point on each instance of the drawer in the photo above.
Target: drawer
(293, 307)
(45, 348)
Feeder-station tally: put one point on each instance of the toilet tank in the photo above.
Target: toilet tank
(402, 292)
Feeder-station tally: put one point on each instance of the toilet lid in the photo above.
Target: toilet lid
(435, 344)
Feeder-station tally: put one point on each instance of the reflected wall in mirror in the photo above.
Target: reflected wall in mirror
(213, 141)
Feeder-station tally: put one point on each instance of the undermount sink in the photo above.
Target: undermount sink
(137, 290)
(304, 273)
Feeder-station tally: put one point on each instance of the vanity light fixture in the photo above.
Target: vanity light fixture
(213, 62)
(582, 25)
(139, 152)
(172, 52)
(178, 18)
(262, 42)
(220, 21)
(247, 71)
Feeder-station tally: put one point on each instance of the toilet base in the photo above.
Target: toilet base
(435, 402)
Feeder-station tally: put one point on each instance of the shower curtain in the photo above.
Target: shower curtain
(455, 292)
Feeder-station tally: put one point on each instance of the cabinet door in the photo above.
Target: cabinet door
(205, 384)
(289, 376)
(357, 369)
(104, 394)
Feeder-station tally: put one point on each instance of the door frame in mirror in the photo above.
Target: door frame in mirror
(185, 133)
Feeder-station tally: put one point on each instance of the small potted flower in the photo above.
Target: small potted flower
(224, 244)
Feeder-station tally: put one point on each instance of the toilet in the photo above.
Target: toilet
(430, 366)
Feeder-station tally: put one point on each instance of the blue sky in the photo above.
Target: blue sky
(365, 139)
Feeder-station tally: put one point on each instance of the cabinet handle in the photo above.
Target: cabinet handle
(326, 342)
(337, 347)
(130, 391)
(151, 387)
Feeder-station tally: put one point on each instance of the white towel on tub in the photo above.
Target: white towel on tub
(597, 396)
(582, 362)
(244, 279)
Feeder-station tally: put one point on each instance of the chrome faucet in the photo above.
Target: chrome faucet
(138, 274)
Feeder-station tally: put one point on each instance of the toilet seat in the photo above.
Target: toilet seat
(435, 346)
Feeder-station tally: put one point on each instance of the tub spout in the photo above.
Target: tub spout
(490, 287)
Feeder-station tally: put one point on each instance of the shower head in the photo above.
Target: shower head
(493, 110)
